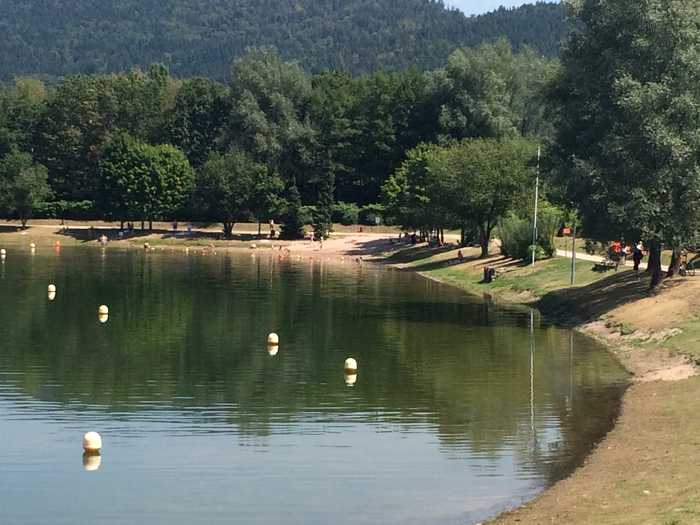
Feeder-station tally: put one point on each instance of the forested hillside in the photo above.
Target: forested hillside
(64, 37)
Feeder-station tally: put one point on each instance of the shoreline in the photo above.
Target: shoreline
(641, 471)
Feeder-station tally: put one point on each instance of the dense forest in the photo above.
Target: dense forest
(59, 38)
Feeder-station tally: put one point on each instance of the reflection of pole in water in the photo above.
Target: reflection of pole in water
(571, 371)
(532, 371)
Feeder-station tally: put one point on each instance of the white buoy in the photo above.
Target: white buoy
(52, 288)
(92, 442)
(272, 350)
(273, 339)
(103, 310)
(91, 462)
(103, 318)
(350, 379)
(3, 252)
(52, 296)
(350, 366)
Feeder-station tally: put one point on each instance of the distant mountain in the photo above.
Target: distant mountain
(201, 37)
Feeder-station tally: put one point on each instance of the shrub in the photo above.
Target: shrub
(345, 213)
(516, 237)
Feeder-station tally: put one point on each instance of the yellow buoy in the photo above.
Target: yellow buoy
(92, 442)
(273, 339)
(91, 461)
(103, 318)
(350, 366)
(103, 310)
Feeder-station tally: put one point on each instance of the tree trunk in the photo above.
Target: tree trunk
(23, 220)
(484, 238)
(150, 225)
(675, 265)
(655, 263)
(228, 229)
(463, 237)
(442, 235)
(259, 229)
(121, 224)
(143, 225)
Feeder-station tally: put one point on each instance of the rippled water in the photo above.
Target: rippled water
(460, 407)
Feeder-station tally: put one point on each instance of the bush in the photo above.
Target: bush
(345, 213)
(548, 225)
(372, 215)
(516, 237)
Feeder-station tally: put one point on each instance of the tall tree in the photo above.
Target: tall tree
(234, 187)
(628, 121)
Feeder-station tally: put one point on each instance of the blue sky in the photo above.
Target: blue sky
(473, 7)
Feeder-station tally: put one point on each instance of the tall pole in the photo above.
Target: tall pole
(573, 258)
(537, 202)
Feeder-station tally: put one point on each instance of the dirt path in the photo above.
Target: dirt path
(598, 258)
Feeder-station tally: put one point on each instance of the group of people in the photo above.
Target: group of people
(617, 253)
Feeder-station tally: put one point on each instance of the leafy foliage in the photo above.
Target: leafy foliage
(201, 38)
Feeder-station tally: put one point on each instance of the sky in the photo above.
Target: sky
(475, 7)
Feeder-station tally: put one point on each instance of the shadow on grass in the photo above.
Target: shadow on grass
(574, 306)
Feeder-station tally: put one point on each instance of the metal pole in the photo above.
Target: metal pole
(537, 199)
(573, 258)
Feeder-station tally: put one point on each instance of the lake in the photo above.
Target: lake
(460, 407)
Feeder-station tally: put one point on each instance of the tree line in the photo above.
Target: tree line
(274, 142)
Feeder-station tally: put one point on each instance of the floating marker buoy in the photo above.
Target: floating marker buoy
(103, 310)
(3, 252)
(52, 288)
(350, 366)
(273, 339)
(52, 296)
(91, 461)
(92, 442)
(350, 379)
(103, 318)
(273, 350)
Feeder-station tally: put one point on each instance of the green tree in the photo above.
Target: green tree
(234, 187)
(492, 92)
(194, 123)
(292, 223)
(627, 103)
(485, 178)
(140, 181)
(23, 185)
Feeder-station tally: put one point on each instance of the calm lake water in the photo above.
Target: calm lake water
(460, 408)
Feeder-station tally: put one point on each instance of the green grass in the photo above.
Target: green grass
(687, 342)
(547, 276)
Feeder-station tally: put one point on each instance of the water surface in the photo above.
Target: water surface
(460, 408)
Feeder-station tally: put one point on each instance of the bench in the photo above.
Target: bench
(605, 265)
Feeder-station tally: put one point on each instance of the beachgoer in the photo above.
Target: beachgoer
(460, 256)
